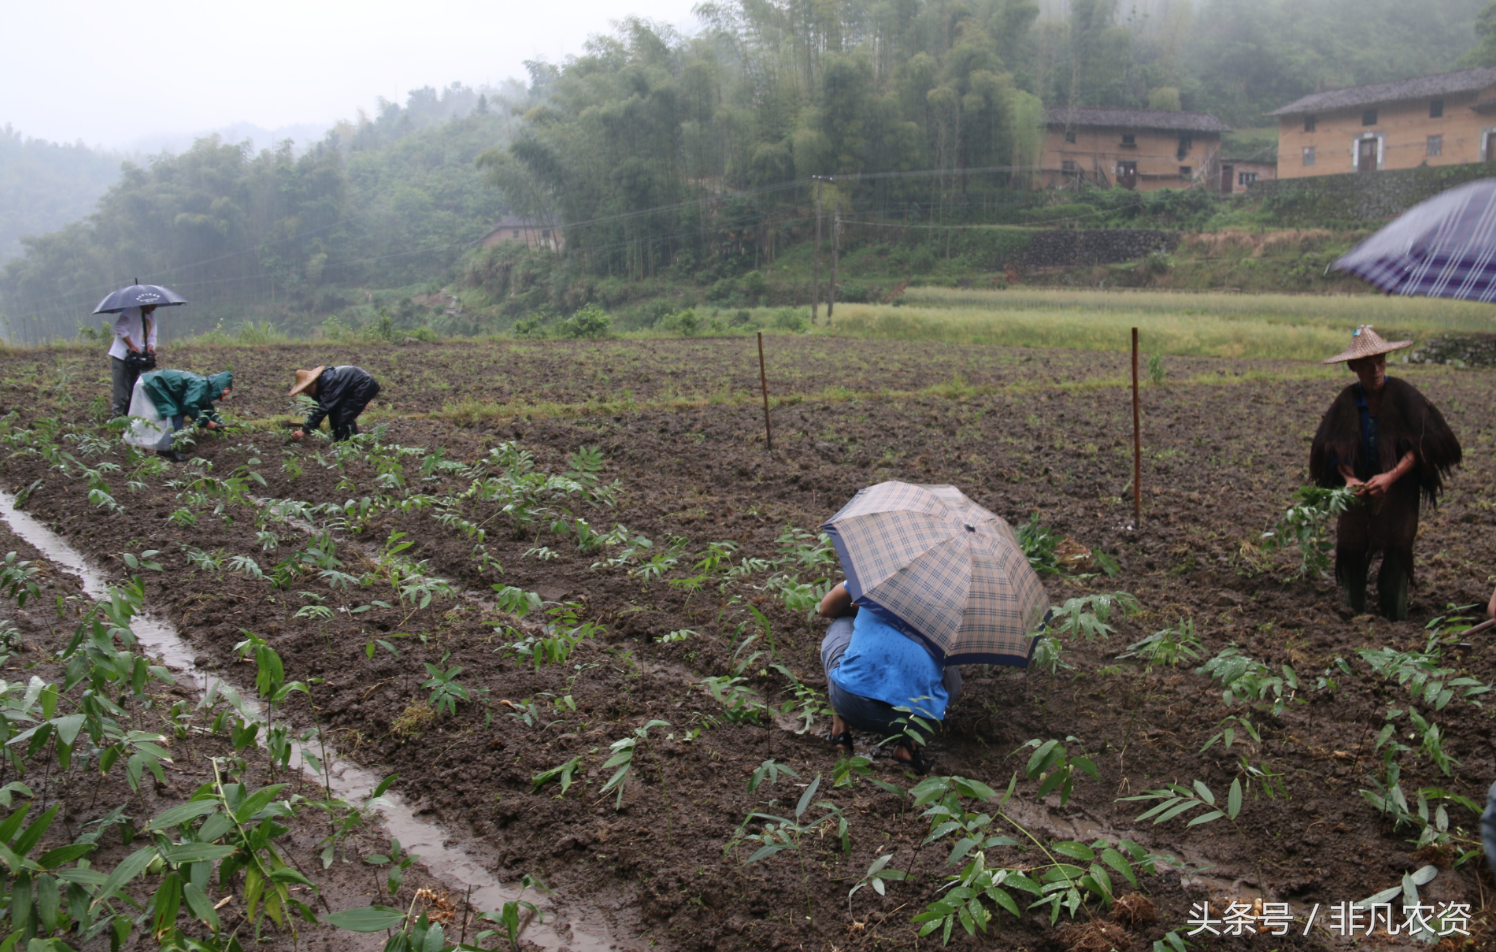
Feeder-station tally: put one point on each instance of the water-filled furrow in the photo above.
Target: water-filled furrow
(454, 866)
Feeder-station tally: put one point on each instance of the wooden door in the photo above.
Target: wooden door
(1226, 171)
(1366, 155)
(1127, 174)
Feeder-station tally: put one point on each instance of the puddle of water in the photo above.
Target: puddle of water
(454, 866)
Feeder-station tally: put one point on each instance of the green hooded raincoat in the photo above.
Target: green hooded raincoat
(179, 393)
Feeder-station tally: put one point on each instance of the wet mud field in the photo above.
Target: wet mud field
(483, 606)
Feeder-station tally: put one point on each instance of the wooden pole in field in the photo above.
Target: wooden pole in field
(815, 266)
(835, 237)
(763, 379)
(1137, 442)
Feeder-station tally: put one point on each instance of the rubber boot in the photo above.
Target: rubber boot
(1392, 588)
(1351, 571)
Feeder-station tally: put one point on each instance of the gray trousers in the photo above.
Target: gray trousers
(865, 713)
(122, 376)
(164, 444)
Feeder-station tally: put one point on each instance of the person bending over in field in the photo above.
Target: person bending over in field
(872, 668)
(165, 399)
(1384, 440)
(342, 393)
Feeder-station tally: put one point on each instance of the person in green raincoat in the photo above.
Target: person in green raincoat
(177, 396)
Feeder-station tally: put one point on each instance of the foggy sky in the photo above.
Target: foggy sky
(113, 73)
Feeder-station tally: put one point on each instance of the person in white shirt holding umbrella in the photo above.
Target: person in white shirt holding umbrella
(133, 350)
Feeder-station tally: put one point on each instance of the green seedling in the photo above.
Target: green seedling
(563, 772)
(444, 687)
(1054, 767)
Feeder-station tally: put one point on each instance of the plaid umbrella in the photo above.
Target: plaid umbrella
(941, 569)
(1444, 247)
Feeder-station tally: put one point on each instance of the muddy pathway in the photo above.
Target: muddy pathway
(1223, 458)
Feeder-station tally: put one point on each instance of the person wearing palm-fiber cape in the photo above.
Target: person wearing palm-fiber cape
(1387, 442)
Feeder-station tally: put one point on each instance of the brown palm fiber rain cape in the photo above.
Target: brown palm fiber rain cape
(1405, 421)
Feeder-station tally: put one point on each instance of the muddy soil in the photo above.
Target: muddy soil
(41, 628)
(1223, 456)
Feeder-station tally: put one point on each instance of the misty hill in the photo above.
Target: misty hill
(385, 200)
(304, 135)
(45, 185)
(689, 157)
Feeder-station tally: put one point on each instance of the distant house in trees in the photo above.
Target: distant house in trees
(1237, 175)
(517, 229)
(1131, 148)
(1448, 119)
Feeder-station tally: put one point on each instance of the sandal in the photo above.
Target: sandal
(842, 742)
(916, 761)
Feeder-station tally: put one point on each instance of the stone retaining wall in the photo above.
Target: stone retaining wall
(1360, 197)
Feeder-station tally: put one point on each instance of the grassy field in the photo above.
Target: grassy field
(1279, 326)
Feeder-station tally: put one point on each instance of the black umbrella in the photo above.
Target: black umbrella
(138, 295)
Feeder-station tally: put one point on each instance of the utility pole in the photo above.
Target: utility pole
(815, 268)
(835, 240)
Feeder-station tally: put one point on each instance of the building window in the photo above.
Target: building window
(1435, 110)
(1185, 171)
(1310, 122)
(546, 234)
(516, 232)
(1129, 139)
(1067, 166)
(1070, 137)
(1245, 178)
(1435, 145)
(1308, 155)
(1369, 117)
(1185, 144)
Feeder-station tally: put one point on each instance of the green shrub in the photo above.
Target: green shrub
(790, 319)
(589, 322)
(754, 285)
(685, 323)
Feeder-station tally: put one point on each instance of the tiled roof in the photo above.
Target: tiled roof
(1423, 87)
(1136, 119)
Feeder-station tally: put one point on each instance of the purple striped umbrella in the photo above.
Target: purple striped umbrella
(1443, 247)
(941, 569)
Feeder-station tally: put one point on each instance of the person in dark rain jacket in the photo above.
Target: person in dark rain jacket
(1382, 438)
(341, 393)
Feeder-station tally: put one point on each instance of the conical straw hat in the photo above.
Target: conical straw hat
(305, 378)
(1366, 342)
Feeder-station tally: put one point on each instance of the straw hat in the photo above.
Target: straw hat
(305, 378)
(1366, 342)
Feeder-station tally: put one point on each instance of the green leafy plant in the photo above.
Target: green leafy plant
(624, 750)
(561, 772)
(1176, 799)
(1168, 647)
(1305, 526)
(1053, 765)
(445, 689)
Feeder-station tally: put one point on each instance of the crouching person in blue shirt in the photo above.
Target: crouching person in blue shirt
(873, 668)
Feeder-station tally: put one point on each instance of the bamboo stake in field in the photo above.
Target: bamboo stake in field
(815, 262)
(835, 237)
(763, 379)
(1137, 442)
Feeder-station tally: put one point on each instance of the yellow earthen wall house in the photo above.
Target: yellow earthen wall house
(1141, 149)
(1448, 119)
(529, 233)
